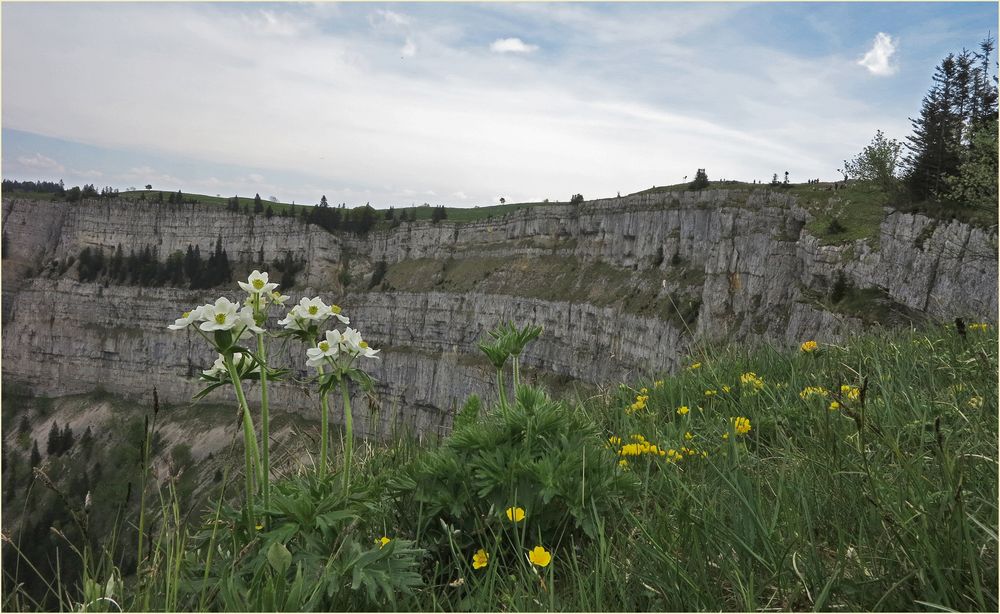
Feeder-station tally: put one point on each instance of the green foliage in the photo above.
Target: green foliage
(975, 184)
(877, 163)
(314, 551)
(536, 453)
(700, 180)
(469, 414)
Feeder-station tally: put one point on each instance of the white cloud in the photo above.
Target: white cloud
(338, 112)
(409, 49)
(89, 174)
(387, 18)
(878, 58)
(511, 45)
(40, 163)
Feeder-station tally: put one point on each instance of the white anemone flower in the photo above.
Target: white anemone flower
(246, 318)
(335, 311)
(353, 343)
(278, 298)
(292, 320)
(187, 318)
(219, 366)
(351, 340)
(314, 308)
(327, 348)
(220, 316)
(257, 284)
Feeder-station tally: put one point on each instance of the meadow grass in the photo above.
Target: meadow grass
(741, 489)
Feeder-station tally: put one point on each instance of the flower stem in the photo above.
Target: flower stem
(265, 429)
(349, 439)
(324, 428)
(249, 441)
(502, 396)
(517, 373)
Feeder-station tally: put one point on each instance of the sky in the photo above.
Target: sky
(460, 104)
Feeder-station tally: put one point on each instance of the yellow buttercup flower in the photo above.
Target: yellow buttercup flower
(682, 410)
(382, 541)
(480, 559)
(688, 436)
(809, 346)
(515, 514)
(834, 406)
(711, 392)
(540, 556)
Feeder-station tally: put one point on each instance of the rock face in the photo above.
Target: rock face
(623, 288)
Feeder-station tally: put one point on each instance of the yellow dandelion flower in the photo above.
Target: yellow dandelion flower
(480, 559)
(682, 410)
(809, 346)
(834, 406)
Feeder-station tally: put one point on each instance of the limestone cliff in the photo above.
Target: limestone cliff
(622, 286)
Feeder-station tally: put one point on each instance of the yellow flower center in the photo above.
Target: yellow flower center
(363, 344)
(220, 318)
(313, 309)
(324, 346)
(334, 309)
(258, 284)
(185, 314)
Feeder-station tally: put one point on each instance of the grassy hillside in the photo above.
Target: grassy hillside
(861, 477)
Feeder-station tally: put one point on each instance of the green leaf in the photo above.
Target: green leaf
(279, 557)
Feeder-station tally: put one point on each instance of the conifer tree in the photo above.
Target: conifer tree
(52, 446)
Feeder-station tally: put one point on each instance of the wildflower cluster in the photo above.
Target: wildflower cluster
(983, 326)
(639, 447)
(741, 425)
(537, 556)
(813, 391)
(640, 402)
(851, 393)
(751, 382)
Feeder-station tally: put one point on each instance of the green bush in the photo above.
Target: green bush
(535, 453)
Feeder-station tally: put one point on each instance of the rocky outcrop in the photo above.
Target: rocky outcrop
(680, 268)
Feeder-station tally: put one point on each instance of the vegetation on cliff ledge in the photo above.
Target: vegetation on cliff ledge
(856, 477)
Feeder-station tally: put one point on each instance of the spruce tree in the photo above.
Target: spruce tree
(54, 440)
(36, 456)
